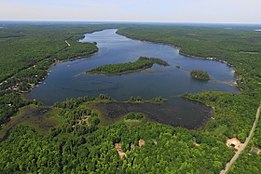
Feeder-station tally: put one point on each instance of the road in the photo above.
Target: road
(242, 148)
(67, 43)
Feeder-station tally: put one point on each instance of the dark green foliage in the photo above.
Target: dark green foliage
(37, 43)
(77, 50)
(10, 103)
(249, 162)
(140, 64)
(239, 48)
(73, 102)
(200, 75)
(104, 97)
(82, 150)
(134, 116)
(86, 147)
(233, 114)
(26, 58)
(137, 99)
(158, 100)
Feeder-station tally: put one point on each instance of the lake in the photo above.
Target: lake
(66, 81)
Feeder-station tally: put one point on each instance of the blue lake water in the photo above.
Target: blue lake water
(66, 81)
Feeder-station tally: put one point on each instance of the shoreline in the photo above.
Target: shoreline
(179, 50)
(73, 58)
(83, 35)
(140, 64)
(124, 107)
(117, 74)
(78, 56)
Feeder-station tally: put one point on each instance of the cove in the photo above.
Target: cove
(66, 81)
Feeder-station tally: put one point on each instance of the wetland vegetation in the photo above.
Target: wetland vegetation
(72, 139)
(138, 99)
(25, 59)
(81, 140)
(134, 116)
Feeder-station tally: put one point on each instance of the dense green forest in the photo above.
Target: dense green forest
(240, 48)
(26, 53)
(123, 68)
(233, 114)
(79, 143)
(200, 75)
(249, 162)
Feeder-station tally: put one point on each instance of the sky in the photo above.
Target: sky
(203, 11)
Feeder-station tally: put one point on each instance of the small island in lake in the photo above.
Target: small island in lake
(129, 67)
(200, 75)
(155, 100)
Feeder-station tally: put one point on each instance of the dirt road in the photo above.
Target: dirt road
(235, 157)
(67, 43)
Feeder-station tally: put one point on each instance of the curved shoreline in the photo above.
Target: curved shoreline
(84, 35)
(179, 49)
(140, 64)
(90, 55)
(70, 58)
(117, 74)
(206, 118)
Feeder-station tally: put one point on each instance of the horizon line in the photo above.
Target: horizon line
(122, 21)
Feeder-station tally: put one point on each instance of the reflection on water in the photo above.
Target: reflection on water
(66, 81)
(191, 115)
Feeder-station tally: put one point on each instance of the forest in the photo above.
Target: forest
(26, 58)
(79, 143)
(233, 114)
(200, 75)
(117, 69)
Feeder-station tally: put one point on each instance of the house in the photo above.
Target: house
(141, 142)
(234, 143)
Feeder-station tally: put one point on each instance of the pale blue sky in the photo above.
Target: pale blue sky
(235, 11)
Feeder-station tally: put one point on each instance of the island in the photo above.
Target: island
(200, 75)
(87, 130)
(155, 100)
(140, 64)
